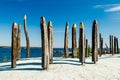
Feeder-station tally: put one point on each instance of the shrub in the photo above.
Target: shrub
(4, 59)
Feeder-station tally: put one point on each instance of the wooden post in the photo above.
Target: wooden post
(86, 48)
(27, 39)
(18, 42)
(14, 45)
(74, 44)
(85, 43)
(95, 41)
(66, 40)
(44, 42)
(100, 45)
(50, 41)
(117, 46)
(112, 46)
(81, 44)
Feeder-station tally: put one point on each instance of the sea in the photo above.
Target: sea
(34, 52)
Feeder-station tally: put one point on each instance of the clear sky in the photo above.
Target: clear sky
(107, 12)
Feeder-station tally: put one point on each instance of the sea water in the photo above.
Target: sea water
(34, 52)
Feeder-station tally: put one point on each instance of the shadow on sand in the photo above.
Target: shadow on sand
(8, 67)
(70, 62)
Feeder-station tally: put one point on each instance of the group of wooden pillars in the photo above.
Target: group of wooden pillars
(15, 45)
(83, 43)
(114, 47)
(47, 43)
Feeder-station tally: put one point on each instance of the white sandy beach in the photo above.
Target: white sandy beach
(108, 68)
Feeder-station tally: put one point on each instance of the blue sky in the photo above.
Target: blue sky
(107, 12)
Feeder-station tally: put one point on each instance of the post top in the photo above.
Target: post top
(74, 25)
(67, 23)
(81, 25)
(25, 17)
(15, 25)
(95, 22)
(50, 23)
(43, 21)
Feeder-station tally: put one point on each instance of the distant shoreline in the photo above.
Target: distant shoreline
(21, 47)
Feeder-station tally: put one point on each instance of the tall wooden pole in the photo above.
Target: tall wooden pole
(27, 39)
(44, 42)
(50, 41)
(112, 46)
(74, 43)
(81, 44)
(117, 46)
(86, 48)
(66, 40)
(14, 45)
(18, 42)
(115, 49)
(95, 41)
(100, 45)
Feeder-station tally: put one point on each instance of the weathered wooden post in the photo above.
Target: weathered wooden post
(86, 48)
(18, 42)
(14, 45)
(85, 42)
(74, 43)
(44, 42)
(27, 39)
(100, 44)
(112, 46)
(95, 41)
(117, 46)
(81, 44)
(50, 41)
(66, 40)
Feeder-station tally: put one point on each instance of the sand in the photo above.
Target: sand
(108, 68)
